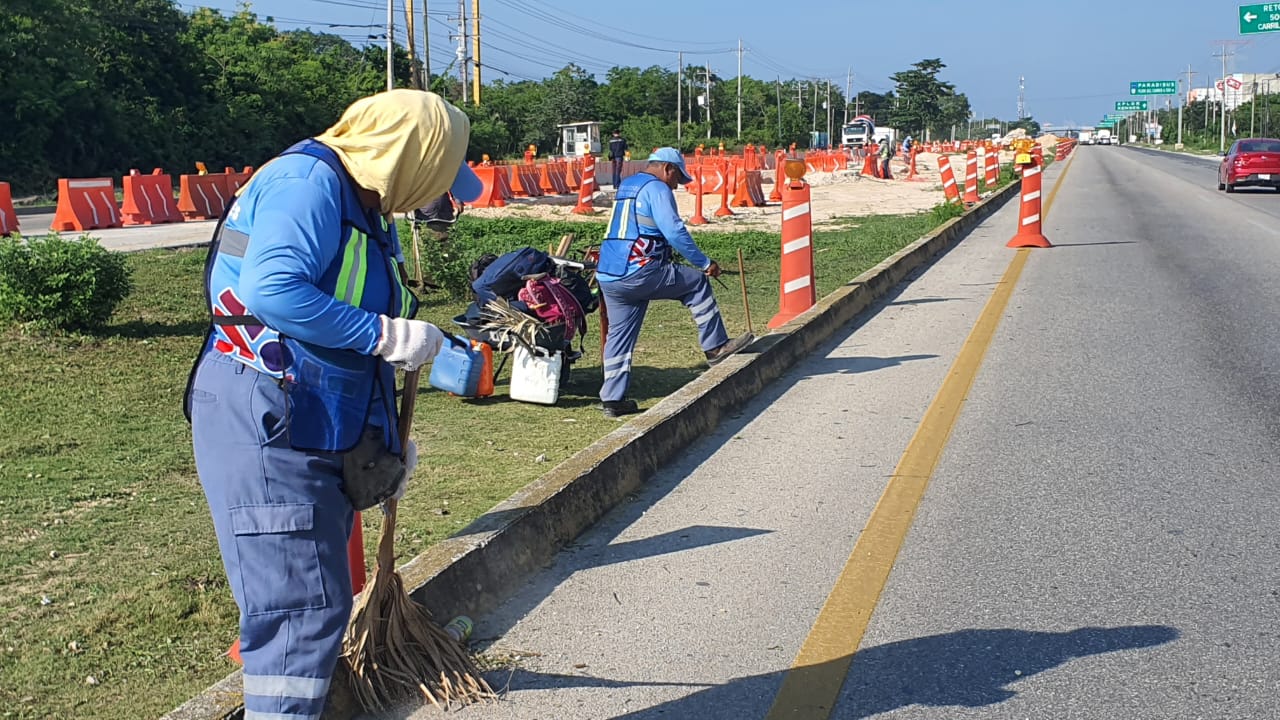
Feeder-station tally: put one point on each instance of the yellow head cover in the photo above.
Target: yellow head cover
(405, 145)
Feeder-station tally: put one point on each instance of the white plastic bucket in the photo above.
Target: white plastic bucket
(535, 378)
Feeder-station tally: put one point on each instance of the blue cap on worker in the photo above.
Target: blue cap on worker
(466, 186)
(673, 156)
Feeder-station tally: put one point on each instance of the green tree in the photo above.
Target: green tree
(923, 100)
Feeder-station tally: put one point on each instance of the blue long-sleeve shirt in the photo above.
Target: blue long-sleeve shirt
(292, 213)
(656, 211)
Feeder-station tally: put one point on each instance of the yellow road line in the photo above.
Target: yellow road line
(810, 689)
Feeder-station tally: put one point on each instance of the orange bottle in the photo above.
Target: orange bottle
(485, 388)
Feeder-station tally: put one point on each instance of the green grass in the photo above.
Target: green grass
(108, 563)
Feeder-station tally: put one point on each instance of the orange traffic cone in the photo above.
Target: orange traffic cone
(948, 179)
(724, 210)
(588, 190)
(796, 291)
(1029, 225)
(698, 218)
(971, 177)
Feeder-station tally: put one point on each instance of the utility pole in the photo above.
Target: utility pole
(426, 47)
(848, 87)
(475, 50)
(415, 75)
(1186, 99)
(462, 51)
(830, 110)
(391, 44)
(739, 135)
(679, 99)
(779, 93)
(1222, 119)
(708, 101)
(814, 127)
(1253, 104)
(1022, 98)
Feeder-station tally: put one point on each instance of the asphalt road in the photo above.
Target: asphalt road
(1099, 538)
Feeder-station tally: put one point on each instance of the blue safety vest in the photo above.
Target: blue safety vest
(331, 394)
(632, 238)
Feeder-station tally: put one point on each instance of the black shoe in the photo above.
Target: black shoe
(715, 356)
(614, 409)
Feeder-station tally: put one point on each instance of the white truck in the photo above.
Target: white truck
(1086, 136)
(1104, 136)
(856, 133)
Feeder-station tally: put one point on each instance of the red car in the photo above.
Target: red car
(1250, 162)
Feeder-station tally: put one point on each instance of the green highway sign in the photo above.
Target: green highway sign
(1259, 18)
(1155, 87)
(1130, 105)
(1113, 116)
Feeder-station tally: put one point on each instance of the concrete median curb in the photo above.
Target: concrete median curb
(477, 569)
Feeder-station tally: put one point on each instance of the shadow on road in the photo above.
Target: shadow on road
(966, 668)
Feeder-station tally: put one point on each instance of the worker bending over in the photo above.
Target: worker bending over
(637, 266)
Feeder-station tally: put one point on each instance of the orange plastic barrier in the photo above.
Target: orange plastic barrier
(796, 291)
(148, 199)
(588, 190)
(869, 164)
(750, 189)
(971, 177)
(492, 179)
(559, 171)
(948, 179)
(8, 218)
(85, 204)
(524, 181)
(202, 197)
(1029, 225)
(235, 180)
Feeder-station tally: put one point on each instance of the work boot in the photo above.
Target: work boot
(615, 409)
(715, 356)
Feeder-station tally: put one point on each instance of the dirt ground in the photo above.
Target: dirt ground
(834, 195)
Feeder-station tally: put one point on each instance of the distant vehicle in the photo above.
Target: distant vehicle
(1104, 137)
(1086, 137)
(886, 134)
(858, 132)
(1250, 162)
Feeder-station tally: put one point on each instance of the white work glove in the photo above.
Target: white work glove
(408, 344)
(410, 462)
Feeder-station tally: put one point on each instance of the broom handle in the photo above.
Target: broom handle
(417, 252)
(408, 399)
(742, 278)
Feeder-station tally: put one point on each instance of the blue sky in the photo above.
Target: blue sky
(1078, 58)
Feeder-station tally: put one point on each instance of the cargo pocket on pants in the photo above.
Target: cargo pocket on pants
(278, 558)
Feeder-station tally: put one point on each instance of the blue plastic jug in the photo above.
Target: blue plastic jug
(457, 367)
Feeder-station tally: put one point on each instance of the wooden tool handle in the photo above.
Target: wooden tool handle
(408, 400)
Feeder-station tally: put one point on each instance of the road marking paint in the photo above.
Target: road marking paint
(811, 688)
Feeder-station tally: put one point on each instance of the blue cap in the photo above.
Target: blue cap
(466, 186)
(673, 156)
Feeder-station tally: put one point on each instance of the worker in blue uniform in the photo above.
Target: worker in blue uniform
(637, 265)
(310, 320)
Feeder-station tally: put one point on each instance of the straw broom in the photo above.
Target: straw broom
(397, 654)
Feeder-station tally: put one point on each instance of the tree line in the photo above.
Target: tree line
(96, 87)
